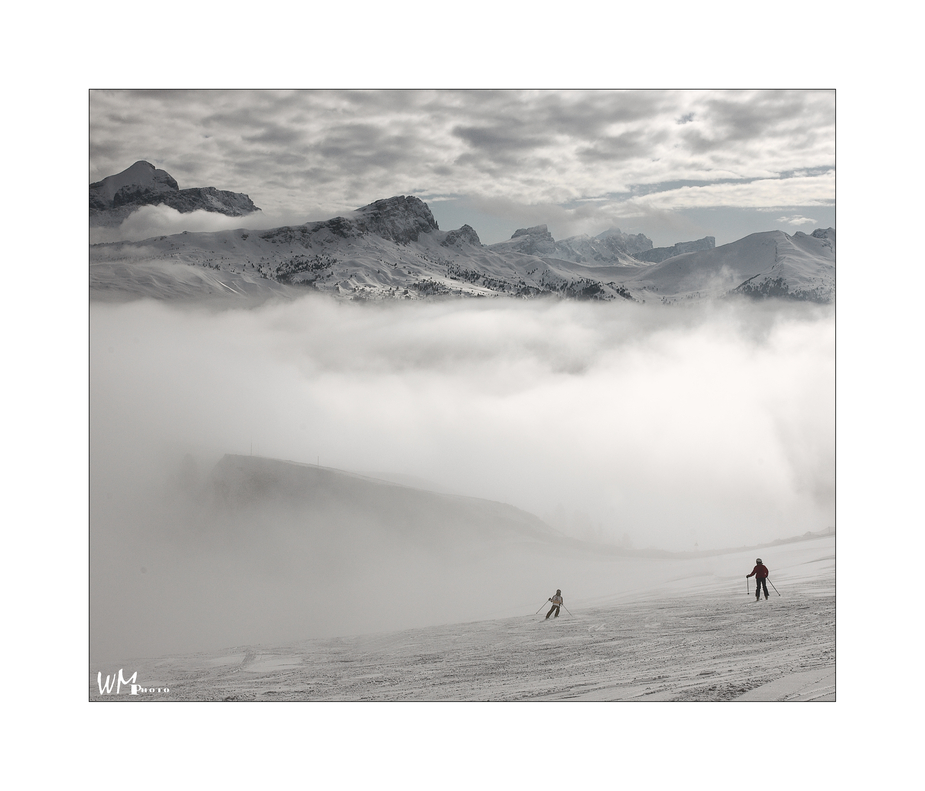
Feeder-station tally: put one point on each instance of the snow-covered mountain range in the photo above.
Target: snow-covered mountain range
(116, 197)
(394, 249)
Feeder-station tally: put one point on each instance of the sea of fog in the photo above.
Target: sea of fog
(680, 428)
(668, 427)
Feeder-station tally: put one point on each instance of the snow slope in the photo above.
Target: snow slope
(689, 631)
(242, 552)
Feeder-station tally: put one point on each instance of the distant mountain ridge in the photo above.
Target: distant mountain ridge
(116, 197)
(762, 265)
(394, 249)
(658, 254)
(406, 512)
(611, 247)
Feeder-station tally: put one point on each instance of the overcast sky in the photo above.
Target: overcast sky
(674, 165)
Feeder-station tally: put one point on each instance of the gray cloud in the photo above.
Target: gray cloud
(501, 139)
(770, 123)
(758, 114)
(277, 135)
(628, 145)
(305, 151)
(588, 114)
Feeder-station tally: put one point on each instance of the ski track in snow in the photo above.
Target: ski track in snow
(703, 645)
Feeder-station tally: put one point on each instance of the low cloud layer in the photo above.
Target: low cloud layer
(162, 220)
(660, 424)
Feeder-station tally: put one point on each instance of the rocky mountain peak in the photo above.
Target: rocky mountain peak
(530, 241)
(142, 184)
(400, 219)
(536, 230)
(628, 243)
(139, 179)
(465, 234)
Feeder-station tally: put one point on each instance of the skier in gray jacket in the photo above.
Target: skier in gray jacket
(557, 601)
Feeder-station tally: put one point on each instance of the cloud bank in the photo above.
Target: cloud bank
(150, 221)
(657, 425)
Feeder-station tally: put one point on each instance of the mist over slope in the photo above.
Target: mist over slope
(405, 514)
(263, 549)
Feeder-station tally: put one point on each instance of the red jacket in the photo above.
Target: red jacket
(760, 571)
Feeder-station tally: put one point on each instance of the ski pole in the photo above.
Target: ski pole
(747, 589)
(541, 607)
(566, 609)
(772, 585)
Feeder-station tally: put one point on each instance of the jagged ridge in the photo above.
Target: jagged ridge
(613, 247)
(393, 249)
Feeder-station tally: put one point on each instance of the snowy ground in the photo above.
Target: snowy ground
(694, 637)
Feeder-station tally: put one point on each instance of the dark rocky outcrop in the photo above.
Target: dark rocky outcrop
(400, 219)
(116, 197)
(465, 235)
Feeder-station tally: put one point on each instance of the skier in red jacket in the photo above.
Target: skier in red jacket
(760, 573)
